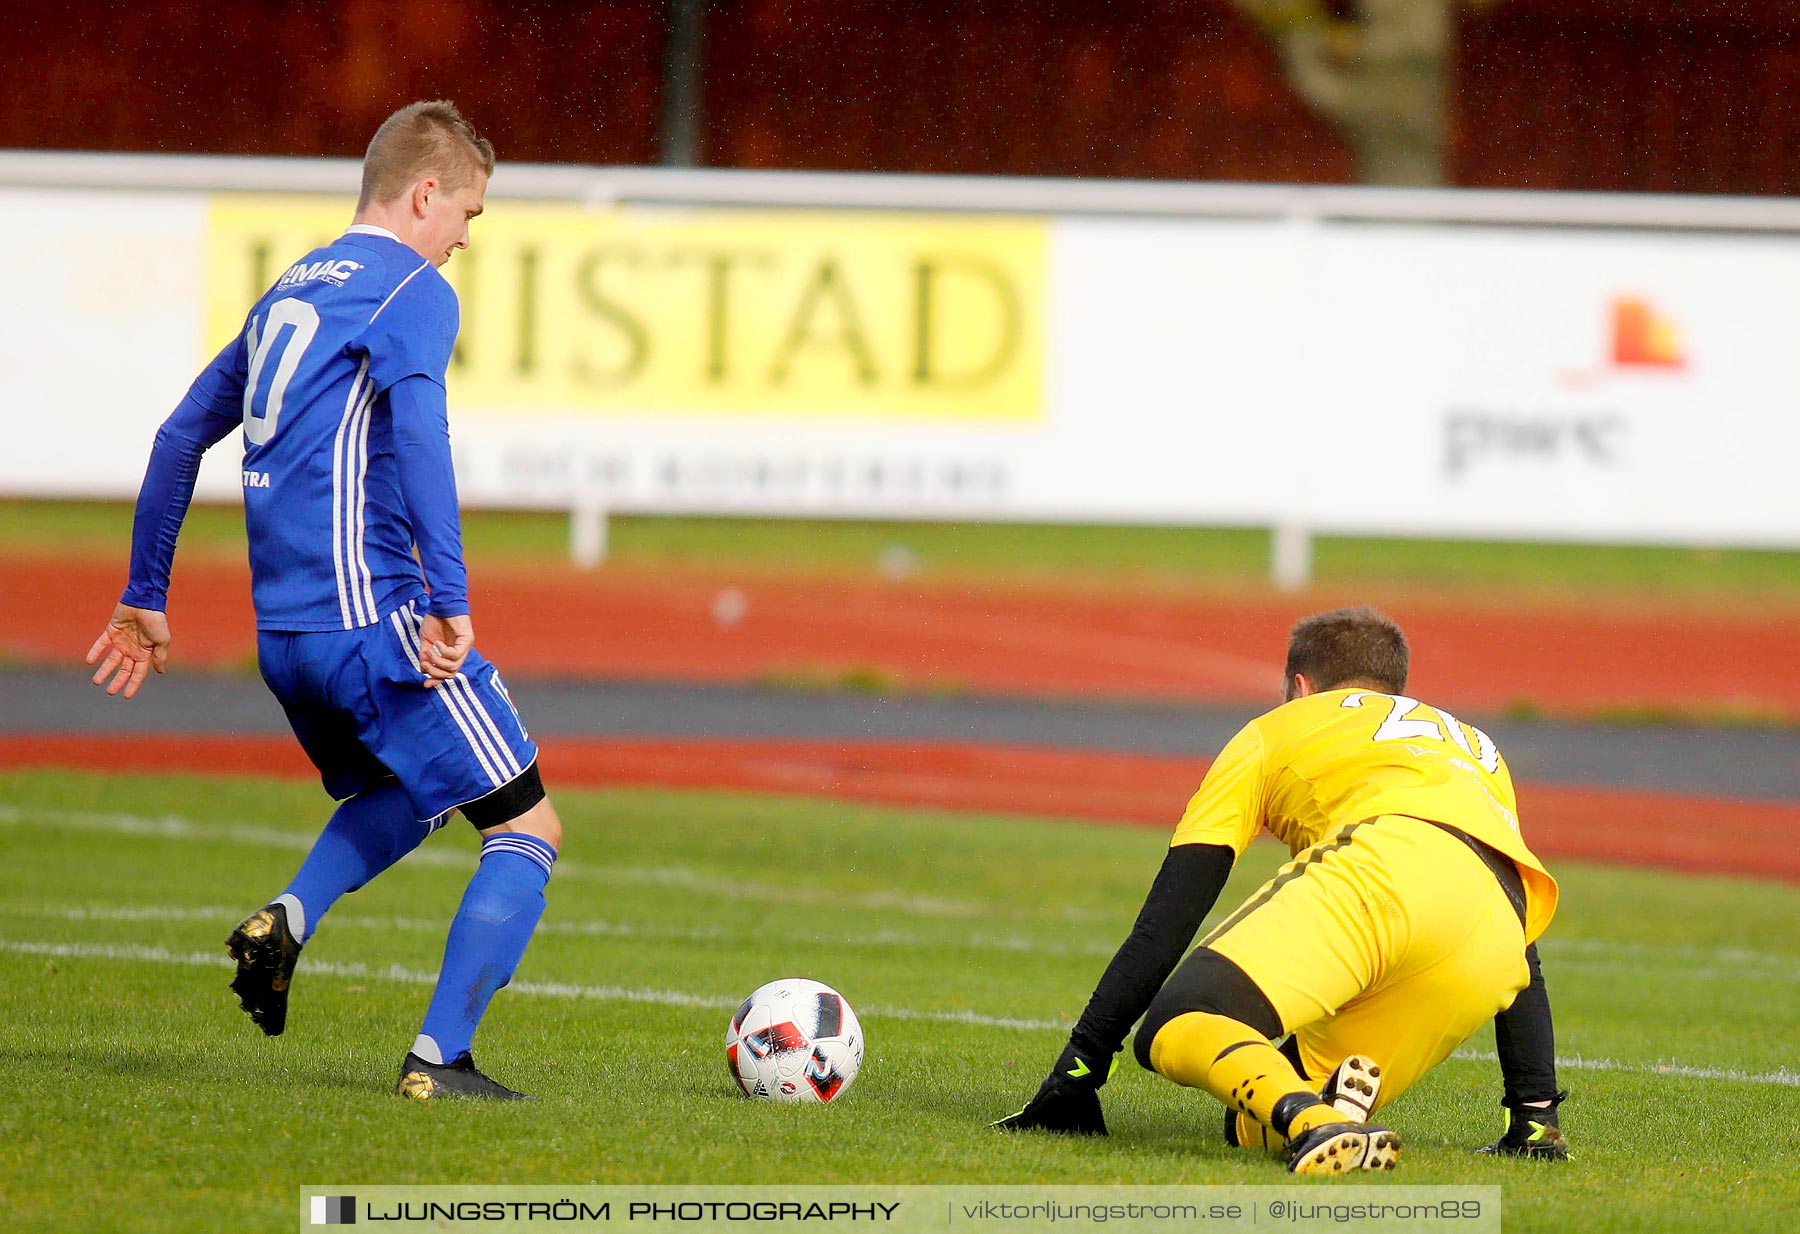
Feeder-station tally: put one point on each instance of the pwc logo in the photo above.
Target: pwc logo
(1643, 337)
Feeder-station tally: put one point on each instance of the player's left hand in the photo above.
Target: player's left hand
(1059, 1106)
(134, 641)
(445, 643)
(1532, 1132)
(1068, 1100)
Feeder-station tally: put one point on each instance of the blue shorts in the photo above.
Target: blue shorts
(356, 700)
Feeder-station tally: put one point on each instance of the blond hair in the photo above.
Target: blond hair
(420, 141)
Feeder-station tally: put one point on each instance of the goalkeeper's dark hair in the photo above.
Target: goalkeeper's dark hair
(1348, 647)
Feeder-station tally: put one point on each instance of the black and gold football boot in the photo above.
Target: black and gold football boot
(266, 952)
(423, 1081)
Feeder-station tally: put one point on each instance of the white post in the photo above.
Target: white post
(587, 530)
(1290, 557)
(1290, 541)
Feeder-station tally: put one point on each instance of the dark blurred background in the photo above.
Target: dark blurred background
(1695, 96)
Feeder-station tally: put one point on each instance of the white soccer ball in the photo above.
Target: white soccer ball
(794, 1040)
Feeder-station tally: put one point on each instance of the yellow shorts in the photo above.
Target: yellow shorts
(1388, 938)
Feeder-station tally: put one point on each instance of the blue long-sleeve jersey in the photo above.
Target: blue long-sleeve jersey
(337, 381)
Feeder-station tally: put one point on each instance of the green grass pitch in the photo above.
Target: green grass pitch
(133, 1094)
(1164, 558)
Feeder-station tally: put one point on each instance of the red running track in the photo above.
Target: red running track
(623, 623)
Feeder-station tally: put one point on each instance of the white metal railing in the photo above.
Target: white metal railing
(882, 191)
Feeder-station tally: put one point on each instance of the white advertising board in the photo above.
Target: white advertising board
(1555, 384)
(1357, 375)
(99, 334)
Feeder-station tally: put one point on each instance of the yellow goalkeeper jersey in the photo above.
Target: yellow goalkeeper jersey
(1320, 763)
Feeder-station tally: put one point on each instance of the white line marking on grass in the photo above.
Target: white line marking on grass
(1676, 959)
(225, 915)
(968, 1017)
(555, 989)
(1781, 1076)
(175, 827)
(129, 953)
(1698, 963)
(157, 826)
(147, 912)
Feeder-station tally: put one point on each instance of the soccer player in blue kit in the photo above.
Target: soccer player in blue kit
(337, 381)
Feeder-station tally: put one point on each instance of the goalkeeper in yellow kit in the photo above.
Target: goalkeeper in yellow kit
(1406, 919)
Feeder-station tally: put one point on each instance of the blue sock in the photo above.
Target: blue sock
(498, 913)
(367, 834)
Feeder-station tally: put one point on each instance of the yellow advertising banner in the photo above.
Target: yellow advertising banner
(839, 315)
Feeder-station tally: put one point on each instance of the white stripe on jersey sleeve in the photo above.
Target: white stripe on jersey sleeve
(403, 282)
(339, 559)
(365, 579)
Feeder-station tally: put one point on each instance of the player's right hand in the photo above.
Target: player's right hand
(1068, 1100)
(444, 645)
(1531, 1132)
(134, 641)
